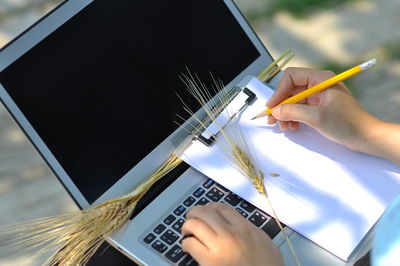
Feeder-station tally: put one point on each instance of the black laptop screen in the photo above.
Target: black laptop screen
(100, 90)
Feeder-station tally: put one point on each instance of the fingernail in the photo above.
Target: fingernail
(276, 111)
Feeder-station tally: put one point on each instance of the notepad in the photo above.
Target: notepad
(324, 191)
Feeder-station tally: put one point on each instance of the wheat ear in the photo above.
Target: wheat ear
(71, 239)
(236, 147)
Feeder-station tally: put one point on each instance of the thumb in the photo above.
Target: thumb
(298, 112)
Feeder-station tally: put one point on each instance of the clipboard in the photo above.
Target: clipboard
(238, 99)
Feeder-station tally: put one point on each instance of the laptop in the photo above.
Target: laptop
(93, 85)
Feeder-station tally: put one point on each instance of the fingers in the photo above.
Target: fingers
(291, 78)
(271, 120)
(195, 248)
(227, 213)
(207, 225)
(283, 125)
(307, 114)
(200, 230)
(234, 242)
(209, 216)
(296, 79)
(294, 125)
(293, 81)
(217, 216)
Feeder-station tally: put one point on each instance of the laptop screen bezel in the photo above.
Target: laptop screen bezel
(48, 24)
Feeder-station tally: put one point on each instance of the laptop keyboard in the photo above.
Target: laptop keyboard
(166, 237)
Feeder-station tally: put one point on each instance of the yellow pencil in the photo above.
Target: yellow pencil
(323, 85)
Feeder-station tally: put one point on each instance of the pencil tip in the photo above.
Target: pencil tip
(253, 118)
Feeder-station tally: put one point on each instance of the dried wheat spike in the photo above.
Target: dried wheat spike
(71, 239)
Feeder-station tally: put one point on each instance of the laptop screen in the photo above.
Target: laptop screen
(100, 90)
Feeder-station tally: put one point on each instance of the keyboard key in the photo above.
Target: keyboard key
(149, 238)
(178, 211)
(175, 253)
(257, 219)
(232, 199)
(169, 237)
(271, 228)
(208, 183)
(188, 261)
(215, 194)
(178, 225)
(247, 206)
(169, 219)
(222, 188)
(242, 212)
(189, 201)
(202, 201)
(159, 246)
(200, 191)
(158, 230)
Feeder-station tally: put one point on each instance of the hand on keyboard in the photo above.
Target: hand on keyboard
(219, 235)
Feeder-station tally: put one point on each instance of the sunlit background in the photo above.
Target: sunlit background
(325, 34)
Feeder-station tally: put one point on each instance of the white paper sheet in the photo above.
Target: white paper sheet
(326, 192)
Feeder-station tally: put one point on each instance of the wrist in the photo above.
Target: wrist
(381, 139)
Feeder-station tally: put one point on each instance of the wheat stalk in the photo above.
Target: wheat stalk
(236, 147)
(71, 239)
(271, 70)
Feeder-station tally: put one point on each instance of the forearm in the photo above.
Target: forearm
(381, 139)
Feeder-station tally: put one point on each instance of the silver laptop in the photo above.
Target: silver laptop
(93, 85)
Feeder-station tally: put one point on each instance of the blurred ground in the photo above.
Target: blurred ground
(322, 33)
(338, 38)
(28, 189)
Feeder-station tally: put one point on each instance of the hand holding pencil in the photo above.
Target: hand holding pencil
(322, 86)
(333, 111)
